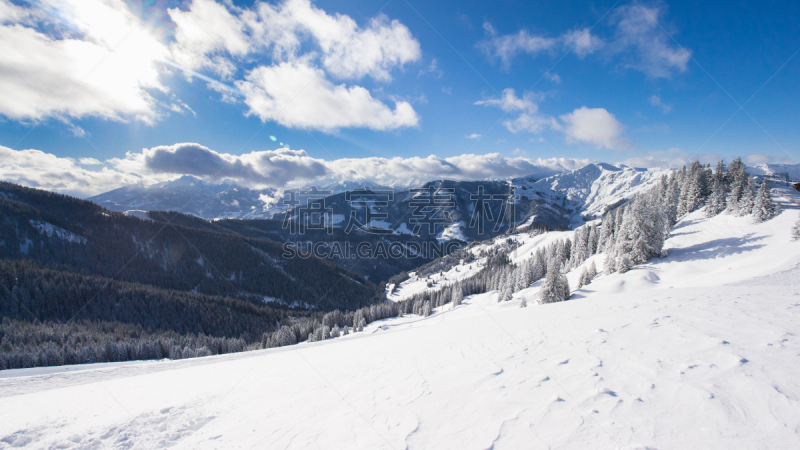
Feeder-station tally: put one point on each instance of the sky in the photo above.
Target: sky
(98, 94)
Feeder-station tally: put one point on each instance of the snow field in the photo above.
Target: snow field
(696, 350)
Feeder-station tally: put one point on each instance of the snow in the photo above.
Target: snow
(695, 350)
(453, 231)
(51, 230)
(589, 190)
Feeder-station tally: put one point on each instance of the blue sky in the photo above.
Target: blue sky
(646, 83)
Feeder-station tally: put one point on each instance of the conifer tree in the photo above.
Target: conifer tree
(738, 182)
(672, 198)
(748, 199)
(796, 230)
(582, 278)
(763, 207)
(592, 271)
(555, 287)
(719, 192)
(457, 296)
(592, 241)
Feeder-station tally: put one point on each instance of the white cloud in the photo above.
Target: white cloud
(635, 34)
(528, 119)
(308, 47)
(347, 50)
(644, 43)
(582, 42)
(75, 74)
(68, 59)
(656, 101)
(474, 136)
(506, 47)
(208, 33)
(205, 29)
(759, 158)
(553, 77)
(393, 171)
(433, 69)
(38, 169)
(299, 96)
(595, 126)
(269, 168)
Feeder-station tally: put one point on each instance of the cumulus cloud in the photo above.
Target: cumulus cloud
(281, 168)
(38, 169)
(275, 168)
(634, 34)
(70, 59)
(308, 47)
(74, 73)
(595, 126)
(204, 34)
(474, 136)
(348, 51)
(209, 35)
(299, 96)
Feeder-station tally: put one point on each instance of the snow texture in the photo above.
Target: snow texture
(695, 350)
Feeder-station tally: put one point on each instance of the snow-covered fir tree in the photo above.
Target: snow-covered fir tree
(671, 198)
(748, 199)
(426, 309)
(694, 190)
(719, 192)
(456, 297)
(555, 287)
(763, 207)
(738, 183)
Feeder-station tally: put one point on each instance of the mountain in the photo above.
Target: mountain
(192, 195)
(168, 251)
(585, 193)
(225, 199)
(698, 347)
(430, 216)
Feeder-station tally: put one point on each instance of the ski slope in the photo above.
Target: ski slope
(700, 349)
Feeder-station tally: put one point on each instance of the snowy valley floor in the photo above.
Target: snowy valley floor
(697, 350)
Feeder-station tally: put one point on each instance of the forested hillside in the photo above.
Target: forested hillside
(79, 283)
(176, 252)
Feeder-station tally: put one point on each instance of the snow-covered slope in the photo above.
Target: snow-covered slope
(588, 191)
(696, 350)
